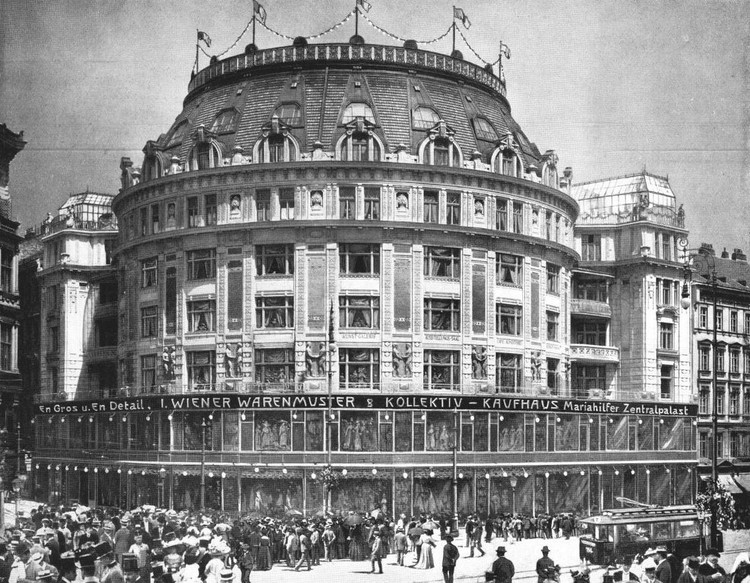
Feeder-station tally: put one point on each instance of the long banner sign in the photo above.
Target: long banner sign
(375, 402)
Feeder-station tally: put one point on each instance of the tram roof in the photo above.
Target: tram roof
(641, 515)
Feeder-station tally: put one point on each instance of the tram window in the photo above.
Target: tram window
(603, 533)
(633, 533)
(687, 529)
(663, 530)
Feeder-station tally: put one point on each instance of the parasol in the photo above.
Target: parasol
(294, 512)
(430, 525)
(353, 519)
(416, 531)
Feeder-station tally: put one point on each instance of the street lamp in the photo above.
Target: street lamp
(513, 484)
(203, 464)
(699, 256)
(17, 487)
(454, 482)
(330, 478)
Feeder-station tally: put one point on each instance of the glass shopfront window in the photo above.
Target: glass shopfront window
(359, 432)
(511, 432)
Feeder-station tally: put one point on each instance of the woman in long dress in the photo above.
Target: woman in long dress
(426, 559)
(358, 549)
(264, 552)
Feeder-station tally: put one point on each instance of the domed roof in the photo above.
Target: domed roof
(400, 95)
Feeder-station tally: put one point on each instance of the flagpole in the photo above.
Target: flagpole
(253, 24)
(454, 31)
(356, 19)
(197, 68)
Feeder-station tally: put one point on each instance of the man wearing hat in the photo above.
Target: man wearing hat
(624, 574)
(45, 575)
(329, 537)
(663, 568)
(5, 561)
(502, 569)
(545, 567)
(111, 570)
(122, 538)
(711, 568)
(450, 556)
(690, 573)
(649, 571)
(68, 569)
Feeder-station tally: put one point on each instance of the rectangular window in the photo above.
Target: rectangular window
(666, 336)
(591, 290)
(149, 321)
(286, 204)
(510, 319)
(155, 219)
(54, 380)
(720, 361)
(442, 369)
(201, 315)
(704, 358)
(719, 318)
(201, 369)
(431, 207)
(720, 445)
(6, 270)
(347, 203)
(733, 321)
(274, 259)
(587, 378)
(517, 217)
(666, 247)
(746, 403)
(193, 212)
(149, 271)
(359, 312)
(6, 347)
(442, 314)
(703, 443)
(453, 210)
(53, 292)
(734, 361)
(274, 366)
(746, 330)
(509, 269)
(734, 401)
(734, 445)
(209, 210)
(274, 312)
(548, 225)
(590, 332)
(552, 376)
(442, 262)
(170, 300)
(144, 221)
(703, 397)
(501, 215)
(54, 339)
(510, 373)
(667, 372)
(372, 204)
(263, 205)
(106, 332)
(359, 259)
(703, 317)
(720, 400)
(148, 373)
(359, 368)
(201, 264)
(553, 279)
(553, 326)
(591, 247)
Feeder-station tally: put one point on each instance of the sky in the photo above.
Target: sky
(613, 86)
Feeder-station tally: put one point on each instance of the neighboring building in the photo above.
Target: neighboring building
(369, 221)
(733, 365)
(10, 379)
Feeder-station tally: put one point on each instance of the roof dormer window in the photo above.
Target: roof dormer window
(424, 118)
(484, 130)
(355, 111)
(290, 114)
(225, 122)
(178, 134)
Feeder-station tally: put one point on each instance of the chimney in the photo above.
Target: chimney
(706, 249)
(738, 255)
(725, 254)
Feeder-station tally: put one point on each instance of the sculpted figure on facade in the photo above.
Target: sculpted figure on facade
(402, 354)
(402, 201)
(536, 366)
(167, 360)
(235, 207)
(478, 362)
(233, 360)
(315, 360)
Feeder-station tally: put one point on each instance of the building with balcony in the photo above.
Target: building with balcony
(350, 254)
(732, 322)
(11, 397)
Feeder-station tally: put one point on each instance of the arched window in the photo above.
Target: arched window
(441, 151)
(204, 155)
(225, 122)
(506, 161)
(484, 130)
(354, 111)
(178, 134)
(152, 167)
(290, 114)
(359, 146)
(424, 118)
(276, 148)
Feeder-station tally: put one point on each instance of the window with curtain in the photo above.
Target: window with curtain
(201, 369)
(553, 279)
(201, 264)
(501, 214)
(149, 321)
(359, 312)
(148, 372)
(274, 365)
(517, 217)
(274, 312)
(359, 259)
(347, 203)
(201, 315)
(149, 272)
(442, 369)
(453, 209)
(509, 319)
(274, 259)
(442, 314)
(442, 262)
(431, 207)
(509, 373)
(509, 269)
(372, 204)
(359, 367)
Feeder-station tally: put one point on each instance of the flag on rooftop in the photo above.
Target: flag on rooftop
(260, 12)
(461, 15)
(203, 36)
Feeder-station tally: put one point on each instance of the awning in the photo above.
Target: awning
(728, 482)
(743, 481)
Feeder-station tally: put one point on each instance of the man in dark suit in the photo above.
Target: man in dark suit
(502, 569)
(450, 556)
(624, 574)
(67, 568)
(663, 568)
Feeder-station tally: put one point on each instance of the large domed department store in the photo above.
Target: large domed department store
(351, 254)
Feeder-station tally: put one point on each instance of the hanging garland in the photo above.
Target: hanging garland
(398, 38)
(311, 37)
(476, 54)
(234, 44)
